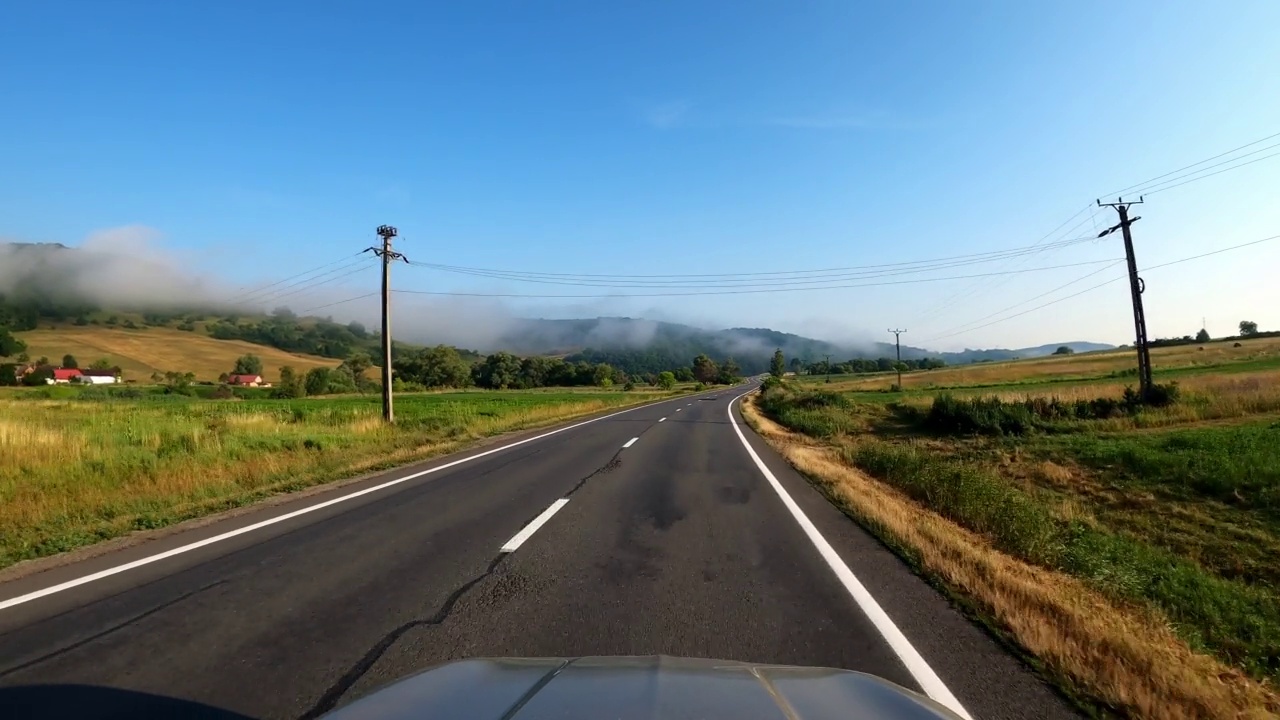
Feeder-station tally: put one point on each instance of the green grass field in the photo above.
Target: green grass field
(1173, 510)
(77, 468)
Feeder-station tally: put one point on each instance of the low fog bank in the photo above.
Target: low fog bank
(122, 268)
(128, 269)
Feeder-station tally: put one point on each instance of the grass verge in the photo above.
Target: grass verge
(74, 472)
(1017, 564)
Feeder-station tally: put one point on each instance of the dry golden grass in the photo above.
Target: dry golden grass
(1126, 657)
(1067, 366)
(139, 353)
(1206, 397)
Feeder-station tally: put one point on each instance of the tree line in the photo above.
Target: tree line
(443, 366)
(862, 366)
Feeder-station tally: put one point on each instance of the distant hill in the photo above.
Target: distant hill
(84, 289)
(1078, 346)
(146, 350)
(639, 345)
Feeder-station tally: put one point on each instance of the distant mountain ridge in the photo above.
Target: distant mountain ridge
(641, 344)
(52, 281)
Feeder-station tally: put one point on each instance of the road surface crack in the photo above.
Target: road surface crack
(114, 628)
(335, 692)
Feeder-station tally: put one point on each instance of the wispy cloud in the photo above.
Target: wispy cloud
(667, 115)
(848, 121)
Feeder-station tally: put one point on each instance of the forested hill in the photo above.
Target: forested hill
(637, 345)
(51, 284)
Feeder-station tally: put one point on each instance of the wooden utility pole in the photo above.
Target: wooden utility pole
(826, 360)
(1136, 288)
(386, 232)
(897, 343)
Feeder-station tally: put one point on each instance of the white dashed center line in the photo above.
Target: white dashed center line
(631, 442)
(532, 527)
(662, 420)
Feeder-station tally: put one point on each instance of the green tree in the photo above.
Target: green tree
(69, 361)
(42, 360)
(666, 379)
(684, 374)
(440, 366)
(705, 369)
(8, 374)
(317, 381)
(1202, 336)
(602, 375)
(729, 373)
(796, 365)
(778, 365)
(101, 364)
(178, 382)
(248, 365)
(341, 380)
(358, 363)
(10, 345)
(290, 385)
(498, 371)
(1064, 350)
(1248, 327)
(224, 377)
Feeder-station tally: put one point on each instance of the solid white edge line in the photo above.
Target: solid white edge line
(630, 442)
(528, 530)
(928, 680)
(52, 589)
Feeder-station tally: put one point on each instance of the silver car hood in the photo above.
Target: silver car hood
(655, 687)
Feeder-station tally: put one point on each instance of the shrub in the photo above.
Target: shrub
(981, 416)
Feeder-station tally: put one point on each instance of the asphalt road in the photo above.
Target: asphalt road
(666, 538)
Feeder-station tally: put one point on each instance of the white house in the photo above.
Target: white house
(92, 376)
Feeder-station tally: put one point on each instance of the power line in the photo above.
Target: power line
(960, 329)
(339, 302)
(1188, 167)
(734, 283)
(239, 297)
(988, 256)
(1212, 252)
(750, 291)
(1024, 312)
(976, 289)
(1104, 284)
(311, 284)
(1201, 177)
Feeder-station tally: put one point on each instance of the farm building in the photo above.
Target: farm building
(110, 376)
(245, 380)
(61, 376)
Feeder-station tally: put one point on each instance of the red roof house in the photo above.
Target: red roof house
(64, 375)
(245, 380)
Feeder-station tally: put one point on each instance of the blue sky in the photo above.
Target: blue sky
(257, 140)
